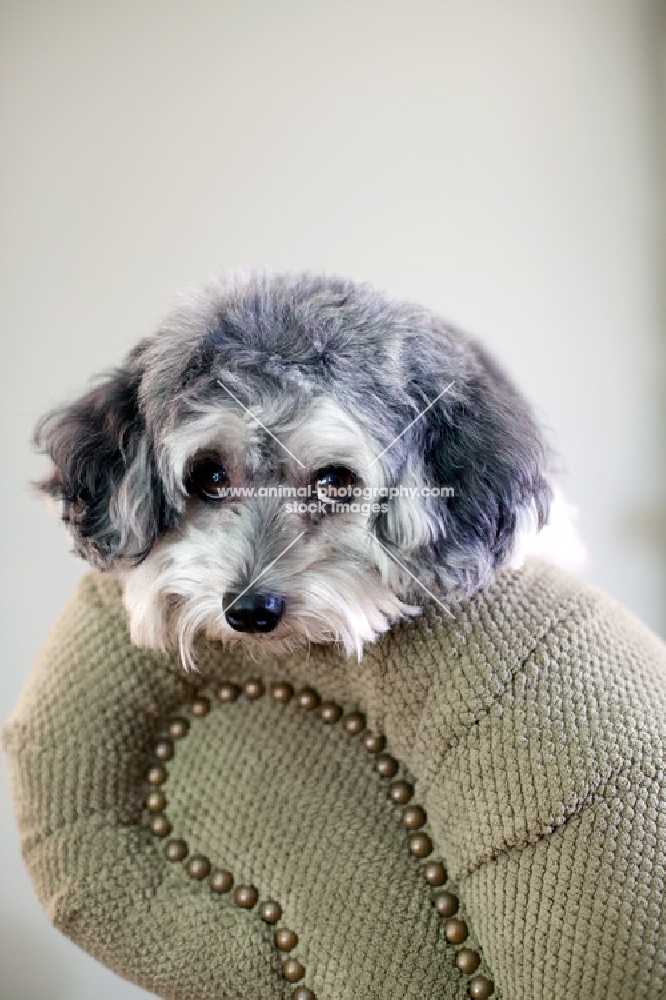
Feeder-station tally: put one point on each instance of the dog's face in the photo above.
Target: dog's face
(295, 459)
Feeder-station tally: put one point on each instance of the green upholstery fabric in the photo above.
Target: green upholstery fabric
(532, 723)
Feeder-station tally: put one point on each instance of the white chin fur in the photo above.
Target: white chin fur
(559, 541)
(170, 605)
(343, 594)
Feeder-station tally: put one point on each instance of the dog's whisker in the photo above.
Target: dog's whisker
(263, 573)
(154, 468)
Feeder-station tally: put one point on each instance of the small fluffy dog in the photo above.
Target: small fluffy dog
(294, 459)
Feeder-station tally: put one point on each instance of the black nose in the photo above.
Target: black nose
(253, 612)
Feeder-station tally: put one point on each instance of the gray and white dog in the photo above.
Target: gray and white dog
(294, 459)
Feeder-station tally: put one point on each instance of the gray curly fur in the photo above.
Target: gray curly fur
(293, 340)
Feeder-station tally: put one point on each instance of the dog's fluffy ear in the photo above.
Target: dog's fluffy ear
(104, 471)
(482, 440)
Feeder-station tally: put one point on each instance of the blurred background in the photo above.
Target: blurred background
(502, 163)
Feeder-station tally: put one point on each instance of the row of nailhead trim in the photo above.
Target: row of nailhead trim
(413, 817)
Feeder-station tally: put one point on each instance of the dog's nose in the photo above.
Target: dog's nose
(253, 612)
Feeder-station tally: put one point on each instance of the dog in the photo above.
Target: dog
(296, 459)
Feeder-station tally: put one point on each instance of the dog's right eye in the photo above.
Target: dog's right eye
(209, 480)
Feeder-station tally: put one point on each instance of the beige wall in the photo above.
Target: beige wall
(498, 161)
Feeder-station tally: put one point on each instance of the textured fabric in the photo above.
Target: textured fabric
(533, 723)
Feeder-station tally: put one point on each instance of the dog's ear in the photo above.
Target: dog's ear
(104, 471)
(482, 442)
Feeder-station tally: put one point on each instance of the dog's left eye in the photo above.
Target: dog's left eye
(209, 480)
(334, 482)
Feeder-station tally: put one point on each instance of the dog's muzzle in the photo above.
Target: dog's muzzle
(253, 612)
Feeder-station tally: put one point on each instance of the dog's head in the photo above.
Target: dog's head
(293, 459)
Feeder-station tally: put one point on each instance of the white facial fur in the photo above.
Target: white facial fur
(334, 373)
(337, 583)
